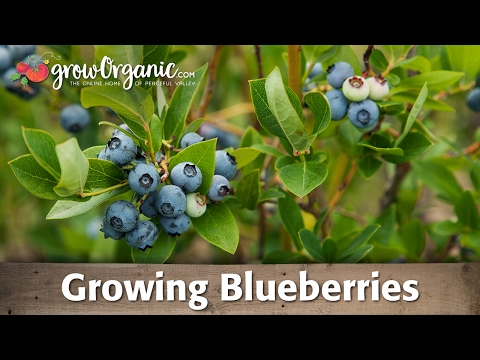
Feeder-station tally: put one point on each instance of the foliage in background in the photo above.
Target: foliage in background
(308, 189)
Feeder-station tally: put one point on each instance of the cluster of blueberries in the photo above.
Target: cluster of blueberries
(172, 198)
(10, 55)
(473, 97)
(352, 95)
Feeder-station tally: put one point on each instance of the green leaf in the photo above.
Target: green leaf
(388, 151)
(437, 81)
(201, 154)
(413, 238)
(430, 102)
(302, 177)
(154, 55)
(35, 178)
(320, 107)
(343, 53)
(68, 208)
(413, 145)
(348, 137)
(330, 250)
(369, 165)
(218, 226)
(180, 104)
(447, 227)
(320, 220)
(121, 54)
(283, 161)
(248, 189)
(438, 178)
(417, 106)
(193, 126)
(134, 104)
(74, 168)
(270, 194)
(159, 253)
(358, 254)
(466, 59)
(466, 209)
(284, 257)
(416, 63)
(103, 174)
(386, 220)
(93, 151)
(286, 115)
(360, 240)
(475, 174)
(291, 218)
(378, 60)
(394, 52)
(267, 149)
(156, 128)
(312, 244)
(244, 156)
(42, 146)
(313, 52)
(265, 116)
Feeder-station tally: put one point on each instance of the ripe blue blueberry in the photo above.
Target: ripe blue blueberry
(143, 178)
(338, 103)
(120, 149)
(6, 60)
(356, 88)
(143, 235)
(190, 138)
(473, 99)
(20, 51)
(338, 72)
(363, 114)
(220, 188)
(74, 118)
(225, 164)
(315, 71)
(170, 201)
(148, 207)
(224, 139)
(187, 176)
(109, 231)
(122, 215)
(175, 226)
(125, 127)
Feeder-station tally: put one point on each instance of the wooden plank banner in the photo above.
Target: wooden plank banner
(281, 289)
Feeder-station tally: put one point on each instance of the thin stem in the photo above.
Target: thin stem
(93, 193)
(294, 68)
(150, 143)
(338, 194)
(212, 67)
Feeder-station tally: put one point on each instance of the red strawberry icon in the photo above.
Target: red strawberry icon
(22, 68)
(37, 73)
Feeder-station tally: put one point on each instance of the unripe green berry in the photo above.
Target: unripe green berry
(196, 204)
(379, 88)
(356, 88)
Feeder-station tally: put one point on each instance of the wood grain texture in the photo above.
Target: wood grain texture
(36, 289)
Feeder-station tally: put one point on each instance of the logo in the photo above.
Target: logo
(34, 69)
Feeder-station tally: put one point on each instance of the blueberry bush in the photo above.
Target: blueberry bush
(264, 154)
